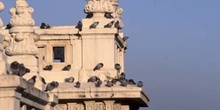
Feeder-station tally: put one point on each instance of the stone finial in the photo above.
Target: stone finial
(99, 6)
(22, 37)
(1, 8)
(21, 17)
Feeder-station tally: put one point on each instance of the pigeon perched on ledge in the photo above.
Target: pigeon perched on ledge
(67, 68)
(52, 85)
(94, 25)
(18, 69)
(45, 26)
(117, 66)
(109, 84)
(108, 16)
(140, 84)
(109, 25)
(78, 84)
(32, 80)
(48, 67)
(98, 66)
(69, 80)
(79, 26)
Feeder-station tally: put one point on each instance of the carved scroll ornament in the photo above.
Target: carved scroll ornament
(98, 6)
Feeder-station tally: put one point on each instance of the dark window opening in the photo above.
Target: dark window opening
(58, 54)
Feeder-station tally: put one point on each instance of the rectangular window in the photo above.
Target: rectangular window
(58, 54)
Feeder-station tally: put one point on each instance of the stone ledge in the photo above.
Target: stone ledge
(57, 30)
(15, 84)
(130, 93)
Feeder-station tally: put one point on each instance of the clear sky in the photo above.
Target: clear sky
(173, 46)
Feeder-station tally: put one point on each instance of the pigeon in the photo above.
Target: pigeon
(69, 80)
(125, 38)
(32, 80)
(77, 84)
(14, 66)
(124, 83)
(94, 25)
(18, 69)
(89, 15)
(8, 26)
(98, 83)
(48, 67)
(93, 79)
(117, 66)
(109, 84)
(22, 70)
(45, 26)
(108, 16)
(131, 82)
(122, 76)
(140, 84)
(114, 81)
(67, 68)
(117, 25)
(79, 26)
(43, 80)
(52, 85)
(109, 25)
(98, 66)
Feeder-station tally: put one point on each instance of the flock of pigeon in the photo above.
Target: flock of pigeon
(121, 79)
(93, 25)
(20, 70)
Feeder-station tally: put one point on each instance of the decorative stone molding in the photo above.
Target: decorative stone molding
(21, 15)
(118, 14)
(61, 107)
(117, 107)
(75, 106)
(109, 105)
(21, 40)
(99, 106)
(21, 44)
(1, 8)
(99, 6)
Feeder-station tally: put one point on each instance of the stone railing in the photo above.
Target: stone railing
(17, 94)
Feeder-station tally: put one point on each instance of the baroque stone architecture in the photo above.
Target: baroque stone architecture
(77, 67)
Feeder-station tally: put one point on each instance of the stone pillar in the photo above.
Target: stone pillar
(24, 107)
(109, 105)
(48, 107)
(72, 106)
(9, 100)
(125, 107)
(2, 63)
(89, 105)
(21, 40)
(1, 8)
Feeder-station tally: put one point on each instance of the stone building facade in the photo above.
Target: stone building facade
(56, 53)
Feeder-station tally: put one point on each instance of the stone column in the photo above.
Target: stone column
(89, 105)
(2, 63)
(21, 40)
(1, 8)
(109, 105)
(9, 99)
(24, 107)
(72, 106)
(125, 107)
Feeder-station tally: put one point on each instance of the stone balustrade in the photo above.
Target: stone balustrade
(17, 94)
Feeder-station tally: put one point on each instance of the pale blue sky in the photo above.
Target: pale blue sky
(174, 46)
